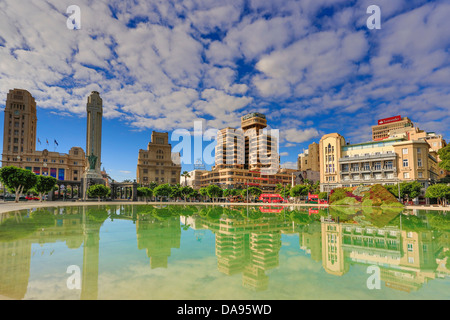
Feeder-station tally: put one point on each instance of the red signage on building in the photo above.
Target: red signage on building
(389, 120)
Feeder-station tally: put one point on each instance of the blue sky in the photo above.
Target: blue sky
(312, 66)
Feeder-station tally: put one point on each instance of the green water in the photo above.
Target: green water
(220, 253)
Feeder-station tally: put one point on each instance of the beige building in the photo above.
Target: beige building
(376, 162)
(158, 163)
(19, 142)
(309, 159)
(195, 179)
(385, 126)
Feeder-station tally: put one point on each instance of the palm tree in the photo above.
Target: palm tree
(186, 175)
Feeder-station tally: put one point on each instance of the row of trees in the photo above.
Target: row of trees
(21, 181)
(411, 190)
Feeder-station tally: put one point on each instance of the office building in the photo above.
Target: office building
(158, 163)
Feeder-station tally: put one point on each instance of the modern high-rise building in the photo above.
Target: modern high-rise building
(19, 142)
(247, 156)
(158, 163)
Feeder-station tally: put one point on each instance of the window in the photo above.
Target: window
(405, 163)
(419, 162)
(406, 175)
(405, 150)
(419, 150)
(389, 165)
(160, 154)
(366, 166)
(410, 247)
(420, 174)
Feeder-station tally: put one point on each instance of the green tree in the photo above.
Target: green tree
(392, 189)
(323, 195)
(444, 156)
(410, 190)
(254, 192)
(17, 179)
(175, 191)
(44, 184)
(214, 191)
(203, 192)
(194, 194)
(439, 191)
(299, 191)
(98, 191)
(144, 192)
(163, 190)
(186, 191)
(284, 190)
(152, 185)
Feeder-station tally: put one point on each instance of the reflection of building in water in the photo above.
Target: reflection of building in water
(332, 253)
(406, 259)
(249, 246)
(310, 240)
(15, 257)
(158, 238)
(16, 252)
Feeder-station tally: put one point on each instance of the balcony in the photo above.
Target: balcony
(369, 157)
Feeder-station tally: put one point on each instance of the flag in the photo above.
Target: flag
(56, 142)
(39, 141)
(47, 141)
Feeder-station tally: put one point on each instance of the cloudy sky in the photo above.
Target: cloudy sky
(312, 66)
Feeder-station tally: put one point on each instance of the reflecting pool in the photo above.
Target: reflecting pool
(231, 253)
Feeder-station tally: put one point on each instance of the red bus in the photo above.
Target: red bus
(271, 198)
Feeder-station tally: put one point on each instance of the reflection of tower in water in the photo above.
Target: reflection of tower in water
(158, 238)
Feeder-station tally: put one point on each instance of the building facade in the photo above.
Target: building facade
(247, 156)
(384, 127)
(385, 162)
(158, 163)
(309, 159)
(19, 142)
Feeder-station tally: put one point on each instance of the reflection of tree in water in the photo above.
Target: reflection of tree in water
(97, 215)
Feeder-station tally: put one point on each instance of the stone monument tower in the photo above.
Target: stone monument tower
(92, 173)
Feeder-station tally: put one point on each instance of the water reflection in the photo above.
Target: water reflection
(410, 248)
